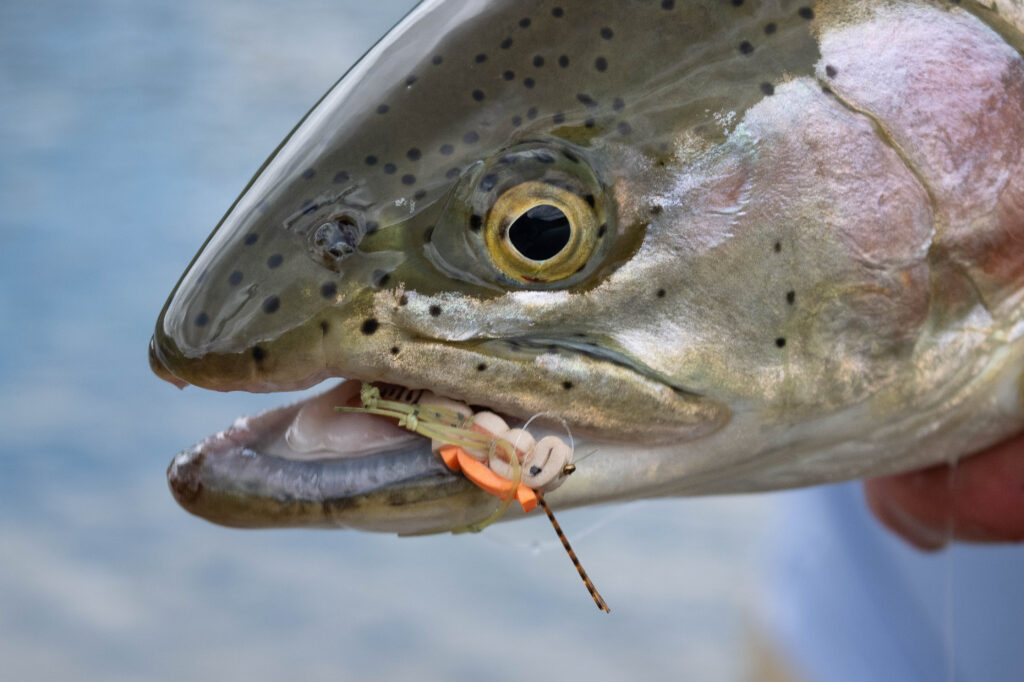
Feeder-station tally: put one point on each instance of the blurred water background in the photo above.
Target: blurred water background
(126, 129)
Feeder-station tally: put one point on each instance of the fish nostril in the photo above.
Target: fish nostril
(336, 239)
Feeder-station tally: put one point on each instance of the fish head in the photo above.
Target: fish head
(650, 225)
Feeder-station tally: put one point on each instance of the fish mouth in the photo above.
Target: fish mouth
(308, 464)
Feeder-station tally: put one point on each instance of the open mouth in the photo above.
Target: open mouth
(310, 464)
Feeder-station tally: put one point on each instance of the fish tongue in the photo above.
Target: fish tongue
(319, 430)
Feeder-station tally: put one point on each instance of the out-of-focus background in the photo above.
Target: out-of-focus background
(127, 127)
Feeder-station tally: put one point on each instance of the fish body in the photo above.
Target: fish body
(731, 246)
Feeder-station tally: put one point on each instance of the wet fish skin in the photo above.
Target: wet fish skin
(807, 268)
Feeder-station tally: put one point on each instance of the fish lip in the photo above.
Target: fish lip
(584, 346)
(230, 479)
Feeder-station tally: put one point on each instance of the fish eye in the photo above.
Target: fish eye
(539, 232)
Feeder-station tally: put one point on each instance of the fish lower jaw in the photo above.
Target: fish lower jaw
(308, 464)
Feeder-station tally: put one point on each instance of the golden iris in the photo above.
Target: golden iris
(507, 250)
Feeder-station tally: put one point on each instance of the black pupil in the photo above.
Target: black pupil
(540, 233)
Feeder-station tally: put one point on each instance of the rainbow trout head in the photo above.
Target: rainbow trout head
(702, 236)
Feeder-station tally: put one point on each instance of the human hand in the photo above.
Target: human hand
(981, 499)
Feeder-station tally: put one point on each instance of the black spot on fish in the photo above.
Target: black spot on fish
(481, 367)
(370, 160)
(275, 260)
(202, 319)
(479, 95)
(777, 247)
(656, 209)
(394, 350)
(271, 304)
(624, 128)
(480, 58)
(517, 121)
(780, 342)
(506, 43)
(414, 154)
(371, 226)
(436, 61)
(668, 4)
(737, 3)
(534, 470)
(661, 293)
(446, 149)
(509, 75)
(524, 22)
(563, 61)
(235, 278)
(488, 182)
(601, 64)
(383, 109)
(471, 137)
(325, 327)
(258, 354)
(410, 80)
(420, 193)
(567, 385)
(529, 82)
(618, 104)
(830, 71)
(308, 174)
(370, 325)
(746, 47)
(475, 222)
(538, 61)
(328, 289)
(557, 12)
(769, 29)
(791, 297)
(607, 33)
(408, 179)
(806, 13)
(586, 100)
(558, 118)
(435, 311)
(531, 113)
(340, 177)
(390, 168)
(590, 123)
(251, 239)
(453, 173)
(768, 88)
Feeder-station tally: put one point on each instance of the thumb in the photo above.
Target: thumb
(979, 499)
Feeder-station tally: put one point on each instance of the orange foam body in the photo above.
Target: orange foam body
(456, 459)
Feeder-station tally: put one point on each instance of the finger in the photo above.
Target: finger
(981, 499)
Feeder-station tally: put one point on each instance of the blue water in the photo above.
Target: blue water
(126, 129)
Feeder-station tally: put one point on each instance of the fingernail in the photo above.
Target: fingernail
(915, 532)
